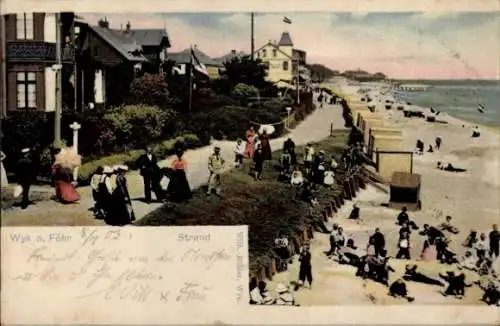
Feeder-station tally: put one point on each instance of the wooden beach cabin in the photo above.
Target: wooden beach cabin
(365, 118)
(405, 191)
(386, 140)
(357, 111)
(371, 123)
(390, 162)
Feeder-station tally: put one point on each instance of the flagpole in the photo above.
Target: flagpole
(190, 79)
(252, 40)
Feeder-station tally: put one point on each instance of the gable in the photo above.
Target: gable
(269, 47)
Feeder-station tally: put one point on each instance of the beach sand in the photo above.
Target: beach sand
(471, 198)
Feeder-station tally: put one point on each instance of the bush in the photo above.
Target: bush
(149, 90)
(136, 125)
(161, 150)
(244, 92)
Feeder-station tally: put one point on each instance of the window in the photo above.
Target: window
(285, 65)
(275, 53)
(264, 53)
(24, 26)
(26, 90)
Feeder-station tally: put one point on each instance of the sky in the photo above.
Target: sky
(421, 45)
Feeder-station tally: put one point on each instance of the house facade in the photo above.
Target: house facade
(28, 58)
(97, 63)
(284, 62)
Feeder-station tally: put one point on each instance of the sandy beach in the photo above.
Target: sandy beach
(471, 198)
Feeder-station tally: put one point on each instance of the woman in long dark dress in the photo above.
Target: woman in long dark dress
(266, 146)
(123, 212)
(258, 160)
(105, 189)
(289, 147)
(178, 187)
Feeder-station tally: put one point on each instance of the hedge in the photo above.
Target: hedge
(161, 150)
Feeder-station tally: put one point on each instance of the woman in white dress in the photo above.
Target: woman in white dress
(3, 181)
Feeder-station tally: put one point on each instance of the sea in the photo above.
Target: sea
(460, 98)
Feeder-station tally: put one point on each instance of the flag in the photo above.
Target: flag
(287, 20)
(197, 64)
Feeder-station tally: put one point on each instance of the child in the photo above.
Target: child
(239, 152)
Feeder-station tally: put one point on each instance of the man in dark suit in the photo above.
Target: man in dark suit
(26, 173)
(150, 172)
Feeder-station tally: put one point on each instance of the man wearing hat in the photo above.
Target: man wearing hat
(150, 172)
(215, 167)
(25, 174)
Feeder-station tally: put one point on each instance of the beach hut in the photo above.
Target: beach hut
(381, 142)
(368, 125)
(389, 162)
(357, 111)
(405, 191)
(366, 117)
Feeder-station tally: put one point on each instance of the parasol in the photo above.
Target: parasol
(268, 128)
(68, 159)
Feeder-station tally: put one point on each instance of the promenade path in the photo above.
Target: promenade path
(314, 128)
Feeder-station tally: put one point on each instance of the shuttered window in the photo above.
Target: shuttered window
(24, 26)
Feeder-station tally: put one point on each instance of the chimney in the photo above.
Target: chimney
(127, 27)
(233, 51)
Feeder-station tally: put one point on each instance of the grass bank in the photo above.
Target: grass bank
(266, 206)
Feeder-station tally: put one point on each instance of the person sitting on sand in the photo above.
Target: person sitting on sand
(398, 290)
(285, 297)
(456, 284)
(491, 288)
(297, 179)
(444, 254)
(475, 132)
(430, 149)
(485, 267)
(350, 254)
(420, 147)
(376, 268)
(354, 212)
(411, 274)
(447, 226)
(470, 240)
(468, 261)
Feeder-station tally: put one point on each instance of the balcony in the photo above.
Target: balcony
(36, 52)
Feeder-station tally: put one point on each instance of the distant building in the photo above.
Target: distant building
(183, 59)
(283, 61)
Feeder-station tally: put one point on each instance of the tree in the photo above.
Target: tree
(245, 70)
(320, 73)
(150, 90)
